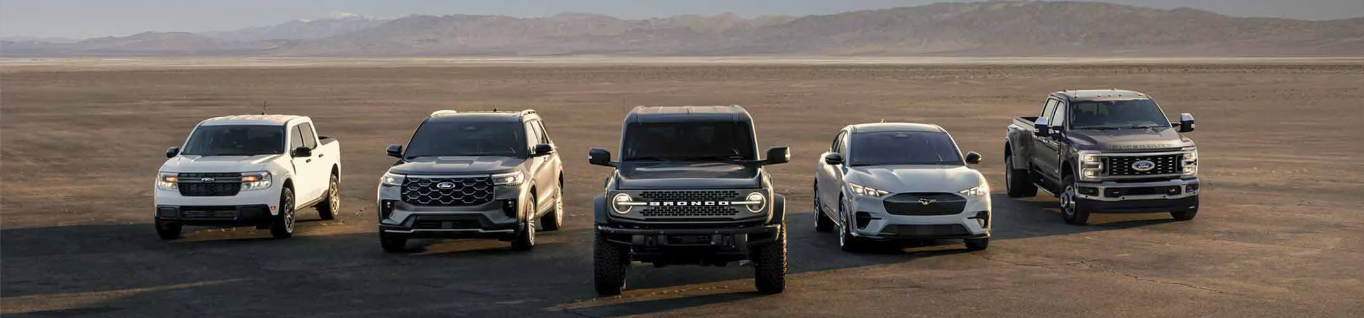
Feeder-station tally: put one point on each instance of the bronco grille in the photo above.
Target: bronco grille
(210, 184)
(458, 191)
(1122, 165)
(695, 203)
(689, 195)
(693, 211)
(925, 204)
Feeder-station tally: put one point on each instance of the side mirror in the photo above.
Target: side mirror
(543, 149)
(600, 157)
(303, 152)
(395, 151)
(1186, 122)
(1043, 127)
(778, 155)
(973, 158)
(833, 159)
(172, 152)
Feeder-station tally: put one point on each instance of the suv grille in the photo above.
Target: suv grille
(1122, 165)
(914, 204)
(464, 191)
(689, 197)
(212, 184)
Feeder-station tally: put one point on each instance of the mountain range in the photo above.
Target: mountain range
(979, 28)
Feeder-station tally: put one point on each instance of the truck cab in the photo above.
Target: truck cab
(689, 188)
(1104, 151)
(249, 170)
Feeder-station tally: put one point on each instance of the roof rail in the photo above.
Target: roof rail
(443, 112)
(526, 112)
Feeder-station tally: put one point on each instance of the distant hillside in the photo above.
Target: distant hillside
(981, 28)
(338, 24)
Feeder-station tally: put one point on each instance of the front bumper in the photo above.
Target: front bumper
(690, 245)
(872, 221)
(221, 215)
(1139, 197)
(495, 219)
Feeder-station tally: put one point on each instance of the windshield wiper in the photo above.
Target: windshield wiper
(647, 159)
(711, 158)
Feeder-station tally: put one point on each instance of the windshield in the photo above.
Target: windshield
(689, 141)
(903, 148)
(446, 138)
(1133, 114)
(235, 140)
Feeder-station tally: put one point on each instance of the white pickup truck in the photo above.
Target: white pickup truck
(249, 170)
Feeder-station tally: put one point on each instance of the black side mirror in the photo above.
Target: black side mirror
(778, 155)
(1186, 122)
(172, 152)
(833, 159)
(973, 158)
(1043, 127)
(395, 151)
(600, 157)
(303, 152)
(543, 149)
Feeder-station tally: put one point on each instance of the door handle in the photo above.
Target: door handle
(310, 160)
(321, 155)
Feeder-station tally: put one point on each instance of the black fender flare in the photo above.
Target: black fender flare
(778, 211)
(600, 210)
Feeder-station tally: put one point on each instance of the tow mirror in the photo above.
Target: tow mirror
(973, 158)
(1043, 127)
(778, 155)
(1186, 123)
(543, 149)
(303, 152)
(600, 157)
(395, 151)
(833, 159)
(172, 152)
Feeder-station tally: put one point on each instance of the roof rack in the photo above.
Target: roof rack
(526, 112)
(443, 112)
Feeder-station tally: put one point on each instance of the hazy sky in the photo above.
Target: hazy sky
(94, 18)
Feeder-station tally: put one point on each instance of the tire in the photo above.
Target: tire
(769, 270)
(328, 207)
(1187, 214)
(822, 222)
(393, 243)
(1018, 181)
(525, 236)
(609, 263)
(977, 244)
(846, 240)
(168, 230)
(555, 218)
(1074, 210)
(283, 226)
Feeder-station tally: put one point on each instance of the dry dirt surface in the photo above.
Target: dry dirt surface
(1280, 232)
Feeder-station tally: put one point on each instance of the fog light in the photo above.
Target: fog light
(385, 209)
(1192, 188)
(983, 217)
(509, 208)
(862, 218)
(1088, 191)
(166, 212)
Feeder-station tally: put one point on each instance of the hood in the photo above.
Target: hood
(190, 163)
(1163, 138)
(457, 165)
(687, 175)
(916, 178)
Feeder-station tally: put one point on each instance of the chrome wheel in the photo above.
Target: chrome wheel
(287, 214)
(559, 208)
(334, 195)
(1068, 201)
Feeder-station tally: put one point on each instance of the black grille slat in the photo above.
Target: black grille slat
(1122, 165)
(209, 213)
(463, 191)
(691, 197)
(936, 230)
(217, 189)
(689, 211)
(910, 204)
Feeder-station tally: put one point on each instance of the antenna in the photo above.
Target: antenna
(262, 107)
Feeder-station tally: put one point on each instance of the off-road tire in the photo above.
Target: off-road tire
(977, 244)
(525, 235)
(331, 202)
(1018, 181)
(609, 263)
(283, 225)
(1074, 210)
(168, 230)
(769, 270)
(1187, 214)
(392, 243)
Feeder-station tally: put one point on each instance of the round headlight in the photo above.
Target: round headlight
(617, 200)
(756, 197)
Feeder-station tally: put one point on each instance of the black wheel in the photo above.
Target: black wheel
(327, 209)
(822, 222)
(283, 226)
(525, 236)
(555, 218)
(1187, 213)
(977, 244)
(1073, 209)
(769, 270)
(846, 240)
(609, 262)
(1018, 181)
(168, 230)
(393, 243)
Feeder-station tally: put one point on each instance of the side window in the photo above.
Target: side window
(532, 137)
(1051, 106)
(295, 139)
(1059, 118)
(309, 139)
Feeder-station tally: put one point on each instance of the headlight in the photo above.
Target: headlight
(622, 203)
(392, 179)
(255, 180)
(759, 198)
(982, 190)
(866, 191)
(167, 181)
(514, 178)
(1091, 165)
(1190, 161)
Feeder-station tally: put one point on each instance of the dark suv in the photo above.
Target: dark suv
(472, 174)
(689, 189)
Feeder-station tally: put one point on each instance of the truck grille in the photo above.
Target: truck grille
(689, 197)
(1122, 165)
(211, 184)
(461, 191)
(925, 204)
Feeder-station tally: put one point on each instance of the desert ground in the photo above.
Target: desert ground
(1279, 233)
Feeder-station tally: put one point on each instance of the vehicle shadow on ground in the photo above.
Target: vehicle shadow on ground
(1040, 216)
